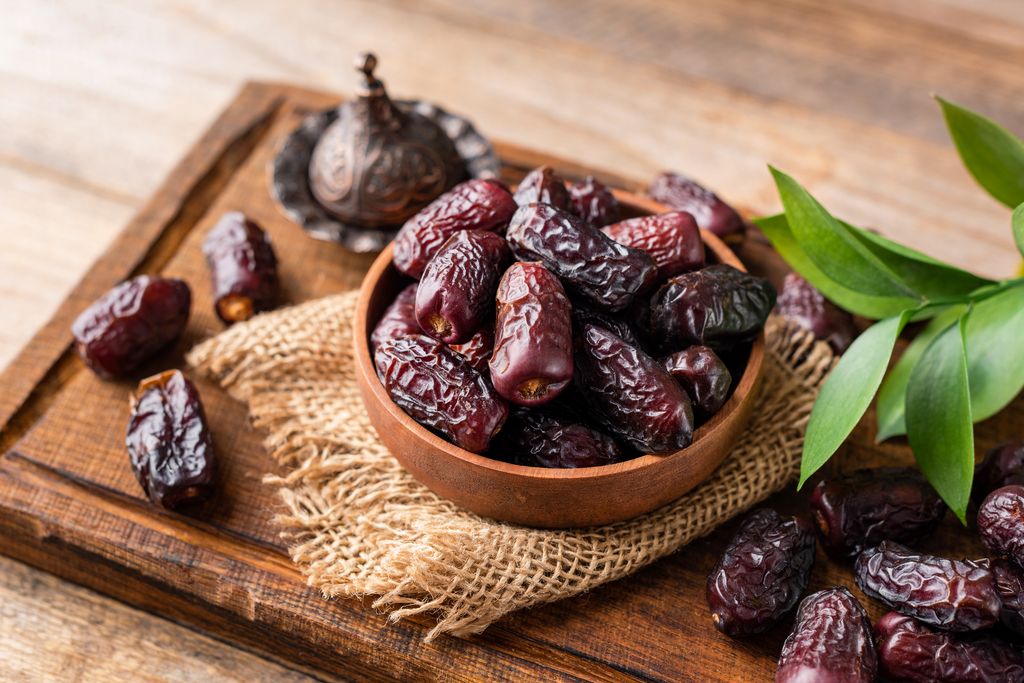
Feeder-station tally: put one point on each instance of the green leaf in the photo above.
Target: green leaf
(776, 229)
(992, 154)
(891, 405)
(833, 248)
(994, 333)
(1018, 228)
(847, 392)
(939, 423)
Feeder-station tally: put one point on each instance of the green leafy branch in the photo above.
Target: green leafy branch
(963, 367)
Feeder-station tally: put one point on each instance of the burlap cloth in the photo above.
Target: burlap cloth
(358, 524)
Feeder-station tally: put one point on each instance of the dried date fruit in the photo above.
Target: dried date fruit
(590, 263)
(955, 595)
(1002, 466)
(830, 642)
(671, 239)
(1009, 580)
(532, 358)
(632, 394)
(478, 349)
(131, 323)
(440, 389)
(716, 306)
(1001, 522)
(863, 508)
(169, 444)
(243, 268)
(761, 574)
(910, 651)
(456, 293)
(543, 185)
(710, 212)
(703, 375)
(542, 438)
(802, 303)
(594, 203)
(399, 320)
(584, 313)
(473, 205)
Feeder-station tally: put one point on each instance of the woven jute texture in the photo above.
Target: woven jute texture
(358, 524)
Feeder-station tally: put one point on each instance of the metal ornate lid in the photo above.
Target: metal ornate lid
(354, 173)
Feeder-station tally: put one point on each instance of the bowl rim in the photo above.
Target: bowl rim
(742, 391)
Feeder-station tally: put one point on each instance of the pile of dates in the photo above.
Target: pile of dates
(168, 441)
(951, 620)
(544, 329)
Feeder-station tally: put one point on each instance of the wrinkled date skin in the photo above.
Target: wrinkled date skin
(585, 313)
(633, 395)
(710, 212)
(716, 306)
(456, 293)
(830, 642)
(132, 322)
(671, 239)
(542, 438)
(863, 508)
(1002, 466)
(543, 185)
(243, 267)
(910, 651)
(594, 203)
(399, 320)
(761, 574)
(532, 358)
(801, 302)
(169, 444)
(592, 264)
(478, 349)
(1001, 522)
(1009, 580)
(440, 389)
(955, 595)
(473, 205)
(703, 375)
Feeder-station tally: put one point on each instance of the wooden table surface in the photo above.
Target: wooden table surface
(99, 100)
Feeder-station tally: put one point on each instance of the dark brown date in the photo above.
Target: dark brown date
(910, 651)
(478, 349)
(703, 375)
(955, 595)
(716, 306)
(1009, 580)
(543, 185)
(532, 358)
(671, 239)
(585, 313)
(632, 394)
(243, 268)
(830, 642)
(440, 389)
(710, 212)
(590, 263)
(399, 320)
(1002, 466)
(542, 438)
(169, 444)
(131, 323)
(1001, 522)
(761, 574)
(806, 306)
(594, 203)
(863, 508)
(473, 205)
(456, 293)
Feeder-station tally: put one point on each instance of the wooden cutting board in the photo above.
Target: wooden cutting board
(69, 503)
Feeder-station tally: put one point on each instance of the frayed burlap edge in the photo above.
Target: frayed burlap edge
(358, 524)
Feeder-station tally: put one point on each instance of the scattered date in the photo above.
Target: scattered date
(243, 268)
(1002, 466)
(801, 302)
(1001, 522)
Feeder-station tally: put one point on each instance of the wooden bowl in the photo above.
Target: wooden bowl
(534, 496)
